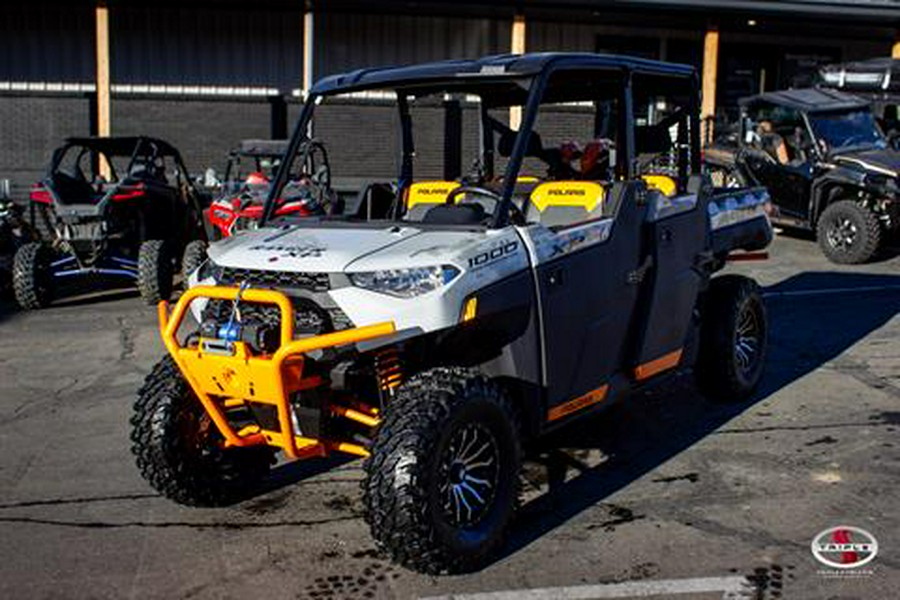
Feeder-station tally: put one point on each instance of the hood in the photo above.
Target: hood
(306, 249)
(432, 248)
(883, 161)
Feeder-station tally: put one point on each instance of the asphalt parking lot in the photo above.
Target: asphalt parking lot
(666, 488)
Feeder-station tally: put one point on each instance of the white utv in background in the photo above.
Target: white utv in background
(438, 326)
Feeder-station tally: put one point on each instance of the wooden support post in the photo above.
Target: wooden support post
(102, 77)
(710, 71)
(895, 50)
(308, 47)
(517, 46)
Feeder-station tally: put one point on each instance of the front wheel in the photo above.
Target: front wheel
(733, 339)
(193, 257)
(32, 276)
(180, 452)
(156, 271)
(443, 479)
(848, 233)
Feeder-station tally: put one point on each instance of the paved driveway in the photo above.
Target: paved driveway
(666, 491)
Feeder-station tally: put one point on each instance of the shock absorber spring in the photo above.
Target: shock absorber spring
(389, 370)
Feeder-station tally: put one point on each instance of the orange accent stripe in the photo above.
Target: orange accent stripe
(658, 365)
(567, 408)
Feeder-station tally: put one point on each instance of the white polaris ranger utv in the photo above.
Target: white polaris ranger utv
(441, 321)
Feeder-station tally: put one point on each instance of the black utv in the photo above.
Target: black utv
(120, 207)
(826, 163)
(876, 80)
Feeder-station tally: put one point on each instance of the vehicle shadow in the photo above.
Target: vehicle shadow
(889, 251)
(291, 473)
(814, 317)
(94, 291)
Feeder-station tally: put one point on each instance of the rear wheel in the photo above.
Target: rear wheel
(193, 257)
(848, 233)
(156, 270)
(32, 277)
(733, 339)
(443, 478)
(179, 451)
(42, 224)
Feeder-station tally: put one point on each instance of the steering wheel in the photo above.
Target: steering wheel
(515, 215)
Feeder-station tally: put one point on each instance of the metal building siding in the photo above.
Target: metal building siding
(346, 41)
(31, 127)
(551, 36)
(204, 131)
(47, 43)
(205, 46)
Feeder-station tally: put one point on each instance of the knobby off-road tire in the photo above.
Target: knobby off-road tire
(155, 271)
(42, 225)
(32, 278)
(193, 257)
(848, 233)
(445, 428)
(178, 448)
(733, 339)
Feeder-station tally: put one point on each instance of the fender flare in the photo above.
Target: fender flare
(827, 188)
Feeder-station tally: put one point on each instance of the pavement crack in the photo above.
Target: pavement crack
(126, 339)
(861, 372)
(66, 501)
(872, 423)
(231, 526)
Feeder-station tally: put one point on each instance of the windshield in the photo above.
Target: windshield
(845, 130)
(394, 154)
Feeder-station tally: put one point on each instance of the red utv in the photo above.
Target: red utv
(251, 167)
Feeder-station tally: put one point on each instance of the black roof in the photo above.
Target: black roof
(499, 66)
(808, 100)
(876, 75)
(262, 147)
(122, 146)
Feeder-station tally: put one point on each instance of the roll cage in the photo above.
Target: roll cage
(137, 150)
(806, 107)
(524, 81)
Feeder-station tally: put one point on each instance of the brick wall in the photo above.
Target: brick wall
(362, 137)
(31, 127)
(202, 130)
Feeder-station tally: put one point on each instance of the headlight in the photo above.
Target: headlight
(406, 283)
(209, 269)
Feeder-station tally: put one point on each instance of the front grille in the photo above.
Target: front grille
(314, 282)
(309, 318)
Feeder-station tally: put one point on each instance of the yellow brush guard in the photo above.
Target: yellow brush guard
(235, 379)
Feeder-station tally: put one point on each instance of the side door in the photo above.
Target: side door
(677, 233)
(788, 184)
(585, 275)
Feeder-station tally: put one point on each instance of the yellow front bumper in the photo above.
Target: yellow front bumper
(223, 381)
